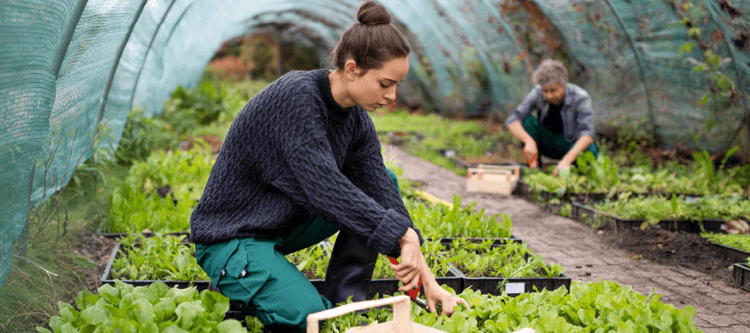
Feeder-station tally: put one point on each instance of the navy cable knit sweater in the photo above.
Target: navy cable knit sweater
(292, 154)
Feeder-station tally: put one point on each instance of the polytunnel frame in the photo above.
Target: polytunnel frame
(151, 44)
(740, 82)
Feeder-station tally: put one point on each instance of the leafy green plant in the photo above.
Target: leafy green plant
(657, 208)
(510, 260)
(185, 172)
(141, 135)
(438, 220)
(155, 308)
(603, 306)
(156, 258)
(737, 241)
(132, 209)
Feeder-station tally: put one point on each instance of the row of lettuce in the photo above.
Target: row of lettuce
(167, 171)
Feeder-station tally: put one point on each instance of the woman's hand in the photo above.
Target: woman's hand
(530, 150)
(564, 164)
(435, 294)
(407, 271)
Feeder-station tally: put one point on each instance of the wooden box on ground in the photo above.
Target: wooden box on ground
(498, 179)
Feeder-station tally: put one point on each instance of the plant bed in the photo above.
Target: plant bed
(313, 262)
(438, 220)
(510, 269)
(133, 263)
(674, 249)
(741, 274)
(598, 219)
(735, 246)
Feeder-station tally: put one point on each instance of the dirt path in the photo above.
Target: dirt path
(587, 255)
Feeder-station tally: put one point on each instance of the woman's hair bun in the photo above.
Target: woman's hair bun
(372, 13)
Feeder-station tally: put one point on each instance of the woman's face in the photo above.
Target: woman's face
(377, 87)
(554, 93)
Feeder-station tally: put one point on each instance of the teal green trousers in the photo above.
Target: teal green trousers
(255, 272)
(550, 144)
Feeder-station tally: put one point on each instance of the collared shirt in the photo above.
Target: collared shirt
(576, 113)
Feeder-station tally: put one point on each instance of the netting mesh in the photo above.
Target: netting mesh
(68, 67)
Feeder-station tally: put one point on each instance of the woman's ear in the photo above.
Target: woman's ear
(351, 71)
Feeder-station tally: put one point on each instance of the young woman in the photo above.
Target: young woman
(300, 162)
(564, 126)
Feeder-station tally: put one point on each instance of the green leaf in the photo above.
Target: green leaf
(230, 326)
(686, 47)
(94, 315)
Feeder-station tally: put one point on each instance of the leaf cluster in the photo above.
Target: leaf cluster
(155, 308)
(183, 171)
(737, 241)
(141, 135)
(511, 260)
(589, 307)
(656, 208)
(132, 209)
(438, 220)
(156, 258)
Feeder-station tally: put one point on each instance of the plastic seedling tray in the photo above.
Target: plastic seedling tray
(741, 273)
(579, 209)
(513, 286)
(107, 276)
(497, 242)
(148, 234)
(736, 254)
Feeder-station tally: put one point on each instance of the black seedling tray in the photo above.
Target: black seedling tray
(498, 242)
(107, 276)
(712, 225)
(390, 286)
(741, 273)
(123, 234)
(514, 286)
(736, 254)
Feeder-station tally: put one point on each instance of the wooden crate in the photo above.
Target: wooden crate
(500, 179)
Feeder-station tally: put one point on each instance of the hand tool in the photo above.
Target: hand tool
(414, 292)
(532, 160)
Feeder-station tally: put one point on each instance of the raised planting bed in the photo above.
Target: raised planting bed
(685, 214)
(141, 261)
(735, 246)
(741, 273)
(511, 268)
(313, 262)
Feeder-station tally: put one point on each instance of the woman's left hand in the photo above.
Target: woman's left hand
(562, 165)
(435, 294)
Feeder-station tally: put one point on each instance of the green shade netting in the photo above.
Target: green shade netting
(71, 68)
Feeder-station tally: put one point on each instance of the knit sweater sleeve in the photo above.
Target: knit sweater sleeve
(310, 177)
(364, 167)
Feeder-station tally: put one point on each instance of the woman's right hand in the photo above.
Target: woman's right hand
(407, 271)
(529, 152)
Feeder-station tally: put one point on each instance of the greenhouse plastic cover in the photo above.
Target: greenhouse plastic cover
(69, 66)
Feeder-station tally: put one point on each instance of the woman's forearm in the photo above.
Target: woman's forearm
(581, 144)
(426, 273)
(516, 128)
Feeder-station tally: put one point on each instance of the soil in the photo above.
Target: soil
(670, 248)
(96, 248)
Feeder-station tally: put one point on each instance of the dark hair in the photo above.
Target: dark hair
(371, 42)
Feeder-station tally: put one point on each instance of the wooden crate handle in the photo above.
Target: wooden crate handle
(401, 312)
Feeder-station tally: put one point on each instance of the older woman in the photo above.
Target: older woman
(564, 126)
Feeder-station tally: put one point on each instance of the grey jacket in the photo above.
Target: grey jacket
(577, 113)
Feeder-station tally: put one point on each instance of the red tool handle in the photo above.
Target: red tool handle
(532, 160)
(414, 292)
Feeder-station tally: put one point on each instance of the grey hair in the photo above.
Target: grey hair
(550, 71)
